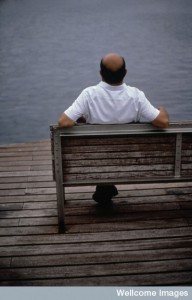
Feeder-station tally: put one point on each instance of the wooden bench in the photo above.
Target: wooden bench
(119, 154)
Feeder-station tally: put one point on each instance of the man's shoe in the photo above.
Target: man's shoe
(104, 193)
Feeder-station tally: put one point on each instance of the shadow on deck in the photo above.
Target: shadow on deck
(145, 238)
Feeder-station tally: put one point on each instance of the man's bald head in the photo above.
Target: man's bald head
(113, 61)
(113, 69)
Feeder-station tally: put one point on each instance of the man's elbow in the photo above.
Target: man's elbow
(60, 124)
(162, 120)
(164, 123)
(65, 124)
(64, 121)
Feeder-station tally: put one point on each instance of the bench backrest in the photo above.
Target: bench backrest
(92, 154)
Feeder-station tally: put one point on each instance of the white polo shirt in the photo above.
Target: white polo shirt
(106, 104)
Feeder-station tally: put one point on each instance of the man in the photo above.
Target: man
(112, 102)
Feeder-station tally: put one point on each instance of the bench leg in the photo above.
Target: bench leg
(59, 182)
(60, 207)
(61, 228)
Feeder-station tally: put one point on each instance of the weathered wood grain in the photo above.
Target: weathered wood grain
(100, 247)
(169, 278)
(97, 258)
(97, 270)
(144, 239)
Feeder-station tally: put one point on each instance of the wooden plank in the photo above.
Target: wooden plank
(117, 148)
(98, 270)
(15, 159)
(140, 196)
(40, 191)
(124, 217)
(118, 161)
(8, 222)
(117, 168)
(28, 213)
(118, 140)
(27, 191)
(33, 144)
(14, 179)
(23, 185)
(123, 208)
(99, 247)
(97, 258)
(109, 225)
(186, 205)
(19, 206)
(25, 173)
(25, 168)
(11, 206)
(33, 230)
(75, 222)
(17, 168)
(12, 192)
(5, 262)
(38, 221)
(98, 227)
(169, 278)
(39, 178)
(41, 157)
(93, 210)
(28, 198)
(115, 155)
(99, 178)
(150, 188)
(129, 225)
(23, 162)
(120, 237)
(187, 166)
(40, 205)
(41, 168)
(187, 146)
(14, 151)
(21, 153)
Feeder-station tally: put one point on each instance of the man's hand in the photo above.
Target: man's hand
(65, 121)
(162, 120)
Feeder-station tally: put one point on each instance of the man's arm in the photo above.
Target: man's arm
(65, 121)
(162, 120)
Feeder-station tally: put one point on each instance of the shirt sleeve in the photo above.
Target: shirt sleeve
(78, 108)
(147, 112)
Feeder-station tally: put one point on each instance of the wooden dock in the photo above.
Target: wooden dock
(145, 238)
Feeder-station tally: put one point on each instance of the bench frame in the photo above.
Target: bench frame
(113, 131)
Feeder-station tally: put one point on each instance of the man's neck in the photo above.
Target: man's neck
(114, 84)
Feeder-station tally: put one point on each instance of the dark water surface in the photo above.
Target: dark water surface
(50, 50)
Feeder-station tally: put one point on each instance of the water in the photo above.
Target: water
(50, 50)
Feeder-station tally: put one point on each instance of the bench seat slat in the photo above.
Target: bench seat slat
(121, 161)
(122, 168)
(186, 153)
(116, 175)
(92, 141)
(125, 181)
(118, 148)
(114, 155)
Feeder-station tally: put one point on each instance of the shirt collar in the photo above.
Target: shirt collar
(112, 87)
